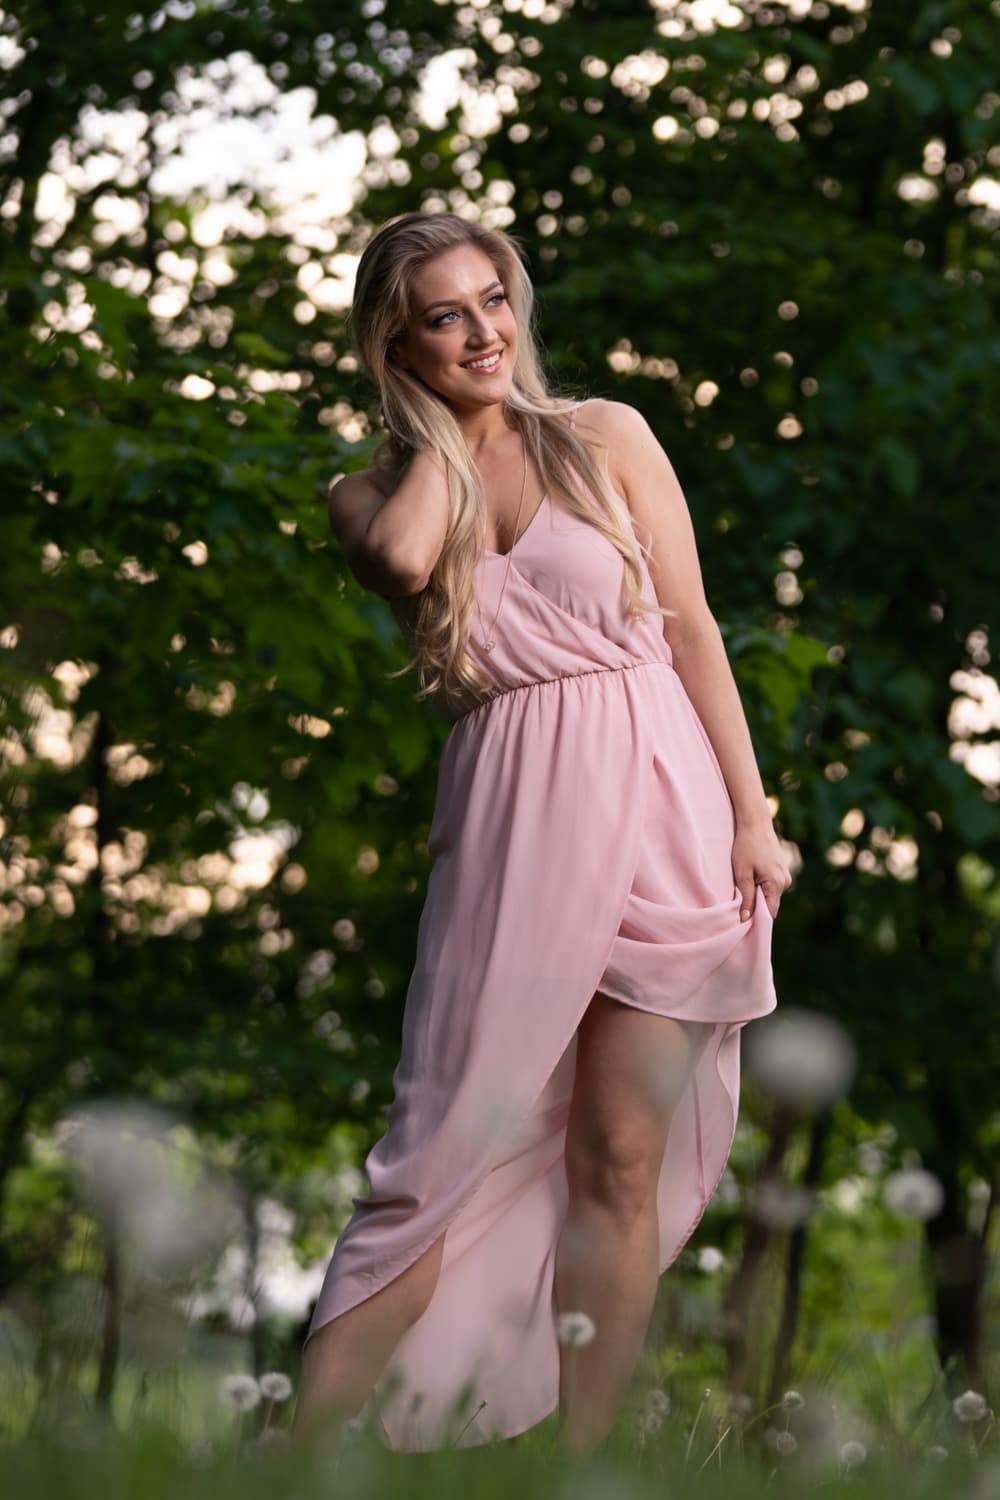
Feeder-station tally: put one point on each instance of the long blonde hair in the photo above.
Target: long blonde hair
(415, 417)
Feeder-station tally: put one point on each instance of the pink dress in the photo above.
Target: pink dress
(581, 841)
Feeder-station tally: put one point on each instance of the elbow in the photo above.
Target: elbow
(694, 627)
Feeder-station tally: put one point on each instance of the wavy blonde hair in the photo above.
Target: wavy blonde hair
(415, 417)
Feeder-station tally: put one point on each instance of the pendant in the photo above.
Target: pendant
(489, 645)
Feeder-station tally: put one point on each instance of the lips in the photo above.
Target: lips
(495, 355)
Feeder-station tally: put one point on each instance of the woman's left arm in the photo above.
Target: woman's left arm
(641, 470)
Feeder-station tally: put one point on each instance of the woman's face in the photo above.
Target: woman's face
(459, 315)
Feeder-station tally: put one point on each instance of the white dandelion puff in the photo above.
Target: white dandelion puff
(657, 1401)
(785, 1442)
(275, 1386)
(793, 1400)
(801, 1058)
(651, 1421)
(913, 1193)
(239, 1392)
(575, 1328)
(852, 1454)
(970, 1406)
(936, 1452)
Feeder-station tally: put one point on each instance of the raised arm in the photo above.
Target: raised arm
(392, 541)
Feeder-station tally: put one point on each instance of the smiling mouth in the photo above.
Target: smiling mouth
(485, 363)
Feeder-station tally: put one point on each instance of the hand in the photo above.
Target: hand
(758, 860)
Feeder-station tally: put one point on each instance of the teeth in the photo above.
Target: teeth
(483, 364)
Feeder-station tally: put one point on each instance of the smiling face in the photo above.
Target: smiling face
(461, 339)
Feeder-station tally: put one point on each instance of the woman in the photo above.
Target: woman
(592, 940)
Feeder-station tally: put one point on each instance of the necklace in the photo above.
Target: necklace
(489, 643)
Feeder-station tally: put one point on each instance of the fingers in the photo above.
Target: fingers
(748, 892)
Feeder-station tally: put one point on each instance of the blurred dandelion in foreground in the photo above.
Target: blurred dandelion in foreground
(780, 1206)
(801, 1059)
(937, 1452)
(781, 1442)
(657, 1401)
(239, 1392)
(793, 1401)
(575, 1328)
(914, 1193)
(275, 1386)
(149, 1187)
(853, 1454)
(741, 1404)
(970, 1407)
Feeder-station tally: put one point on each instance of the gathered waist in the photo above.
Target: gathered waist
(521, 687)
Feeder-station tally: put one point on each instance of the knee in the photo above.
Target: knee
(615, 1169)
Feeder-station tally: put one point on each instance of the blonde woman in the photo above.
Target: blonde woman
(593, 938)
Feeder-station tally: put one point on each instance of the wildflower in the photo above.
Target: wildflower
(239, 1392)
(275, 1386)
(936, 1452)
(970, 1406)
(657, 1401)
(792, 1400)
(852, 1454)
(801, 1058)
(913, 1193)
(785, 1442)
(575, 1328)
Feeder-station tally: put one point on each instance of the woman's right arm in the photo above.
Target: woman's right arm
(392, 543)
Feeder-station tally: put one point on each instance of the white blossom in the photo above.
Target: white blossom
(240, 1392)
(853, 1453)
(970, 1406)
(575, 1328)
(914, 1193)
(275, 1386)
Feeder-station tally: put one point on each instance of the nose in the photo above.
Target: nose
(480, 328)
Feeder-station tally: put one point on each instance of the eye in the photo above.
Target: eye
(496, 297)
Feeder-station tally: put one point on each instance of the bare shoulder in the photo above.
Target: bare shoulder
(618, 428)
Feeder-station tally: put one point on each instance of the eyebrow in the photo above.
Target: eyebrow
(450, 301)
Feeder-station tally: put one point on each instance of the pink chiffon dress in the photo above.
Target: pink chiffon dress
(581, 840)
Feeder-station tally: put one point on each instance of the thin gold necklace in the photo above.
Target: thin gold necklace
(490, 643)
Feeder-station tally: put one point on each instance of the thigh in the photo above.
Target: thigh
(631, 1069)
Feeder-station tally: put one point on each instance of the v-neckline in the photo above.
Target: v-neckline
(504, 555)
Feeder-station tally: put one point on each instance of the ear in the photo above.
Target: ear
(395, 356)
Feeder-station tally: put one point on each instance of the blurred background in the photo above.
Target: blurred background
(772, 228)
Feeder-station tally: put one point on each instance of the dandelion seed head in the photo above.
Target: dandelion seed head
(239, 1392)
(275, 1386)
(853, 1453)
(575, 1328)
(970, 1406)
(657, 1401)
(801, 1058)
(785, 1442)
(793, 1400)
(651, 1421)
(913, 1193)
(936, 1452)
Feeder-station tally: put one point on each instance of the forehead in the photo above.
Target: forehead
(460, 272)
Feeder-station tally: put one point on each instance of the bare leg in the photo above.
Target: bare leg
(631, 1069)
(344, 1358)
